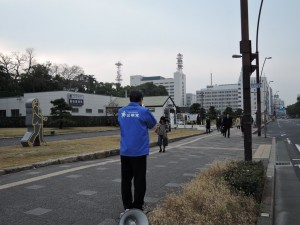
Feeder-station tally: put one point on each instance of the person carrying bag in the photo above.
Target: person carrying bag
(162, 132)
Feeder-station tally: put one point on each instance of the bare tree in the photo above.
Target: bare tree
(19, 61)
(29, 59)
(7, 64)
(69, 73)
(54, 70)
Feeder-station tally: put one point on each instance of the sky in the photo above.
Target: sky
(147, 35)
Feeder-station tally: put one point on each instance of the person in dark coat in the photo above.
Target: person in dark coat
(219, 123)
(207, 125)
(227, 123)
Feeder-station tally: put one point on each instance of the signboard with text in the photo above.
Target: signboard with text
(256, 85)
(76, 99)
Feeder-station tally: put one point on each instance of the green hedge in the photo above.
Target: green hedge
(247, 177)
(77, 121)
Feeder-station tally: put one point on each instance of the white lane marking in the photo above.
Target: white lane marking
(297, 165)
(289, 141)
(298, 147)
(26, 181)
(30, 180)
(210, 148)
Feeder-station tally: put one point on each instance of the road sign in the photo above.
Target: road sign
(256, 85)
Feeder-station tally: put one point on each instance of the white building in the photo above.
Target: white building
(219, 96)
(266, 94)
(158, 105)
(190, 99)
(176, 86)
(84, 104)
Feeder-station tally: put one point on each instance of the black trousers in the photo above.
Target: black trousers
(133, 169)
(227, 130)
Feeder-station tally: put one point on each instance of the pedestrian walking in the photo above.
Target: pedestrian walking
(207, 125)
(162, 132)
(134, 120)
(219, 123)
(242, 125)
(227, 123)
(238, 122)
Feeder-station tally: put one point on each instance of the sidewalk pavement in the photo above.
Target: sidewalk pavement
(281, 193)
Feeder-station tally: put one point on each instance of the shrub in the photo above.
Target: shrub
(206, 200)
(247, 177)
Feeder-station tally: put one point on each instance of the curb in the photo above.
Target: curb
(267, 205)
(84, 157)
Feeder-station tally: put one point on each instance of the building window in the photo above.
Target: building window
(2, 113)
(75, 110)
(100, 111)
(88, 110)
(15, 112)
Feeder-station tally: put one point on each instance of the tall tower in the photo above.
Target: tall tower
(179, 62)
(179, 83)
(119, 76)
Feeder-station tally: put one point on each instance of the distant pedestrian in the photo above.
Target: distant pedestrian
(219, 123)
(242, 125)
(162, 132)
(227, 123)
(238, 122)
(198, 119)
(207, 125)
(134, 121)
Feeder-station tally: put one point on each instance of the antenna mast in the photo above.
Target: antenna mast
(119, 76)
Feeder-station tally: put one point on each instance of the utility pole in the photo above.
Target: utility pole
(245, 50)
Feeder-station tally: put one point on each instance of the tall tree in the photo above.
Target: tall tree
(294, 109)
(212, 112)
(228, 110)
(195, 108)
(60, 112)
(38, 79)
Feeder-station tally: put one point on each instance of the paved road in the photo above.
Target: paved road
(88, 192)
(287, 196)
(73, 136)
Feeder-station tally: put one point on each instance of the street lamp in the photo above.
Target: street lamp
(236, 56)
(263, 67)
(258, 112)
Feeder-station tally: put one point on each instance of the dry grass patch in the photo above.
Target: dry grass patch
(206, 200)
(19, 132)
(12, 156)
(17, 155)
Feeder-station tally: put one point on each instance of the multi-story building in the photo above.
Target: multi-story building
(231, 95)
(190, 99)
(219, 96)
(176, 86)
(266, 94)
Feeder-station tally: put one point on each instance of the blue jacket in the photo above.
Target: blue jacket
(135, 121)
